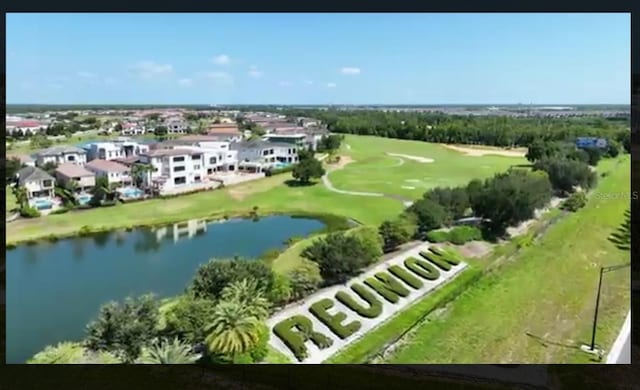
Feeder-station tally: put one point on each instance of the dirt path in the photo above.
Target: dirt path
(484, 151)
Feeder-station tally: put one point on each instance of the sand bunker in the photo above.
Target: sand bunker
(414, 158)
(484, 151)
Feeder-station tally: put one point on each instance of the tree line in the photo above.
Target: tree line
(458, 129)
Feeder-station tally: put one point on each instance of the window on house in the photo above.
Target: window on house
(213, 160)
(71, 158)
(180, 180)
(47, 183)
(196, 178)
(179, 169)
(178, 159)
(196, 167)
(196, 157)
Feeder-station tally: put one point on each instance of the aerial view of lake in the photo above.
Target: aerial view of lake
(54, 289)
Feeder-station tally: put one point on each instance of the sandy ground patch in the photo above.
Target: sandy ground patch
(414, 158)
(484, 151)
(344, 160)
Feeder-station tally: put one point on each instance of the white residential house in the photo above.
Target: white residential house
(129, 129)
(175, 126)
(174, 168)
(117, 149)
(117, 174)
(260, 155)
(38, 183)
(60, 155)
(217, 156)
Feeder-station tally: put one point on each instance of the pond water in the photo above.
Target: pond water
(55, 289)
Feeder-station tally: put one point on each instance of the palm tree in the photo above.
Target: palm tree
(139, 172)
(247, 294)
(168, 352)
(233, 329)
(20, 194)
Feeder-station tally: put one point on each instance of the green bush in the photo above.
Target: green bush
(29, 212)
(295, 339)
(422, 268)
(375, 306)
(85, 230)
(261, 349)
(387, 286)
(575, 202)
(334, 322)
(61, 210)
(463, 234)
(451, 255)
(437, 236)
(405, 276)
(439, 260)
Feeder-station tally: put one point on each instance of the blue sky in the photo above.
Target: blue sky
(318, 58)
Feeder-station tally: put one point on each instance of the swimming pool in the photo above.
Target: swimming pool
(84, 198)
(280, 165)
(132, 192)
(43, 204)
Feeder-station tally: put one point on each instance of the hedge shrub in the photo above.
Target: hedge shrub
(405, 276)
(574, 202)
(387, 286)
(61, 210)
(295, 339)
(375, 306)
(452, 256)
(334, 322)
(422, 268)
(29, 212)
(438, 260)
(462, 234)
(437, 236)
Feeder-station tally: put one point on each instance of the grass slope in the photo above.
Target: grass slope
(375, 171)
(538, 308)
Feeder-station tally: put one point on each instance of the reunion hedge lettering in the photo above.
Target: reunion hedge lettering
(387, 286)
(334, 322)
(422, 268)
(375, 306)
(405, 274)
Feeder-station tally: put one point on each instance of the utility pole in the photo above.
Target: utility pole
(603, 270)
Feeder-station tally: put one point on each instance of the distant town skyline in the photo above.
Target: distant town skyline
(319, 59)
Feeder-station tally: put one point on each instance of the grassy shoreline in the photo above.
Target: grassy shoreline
(332, 222)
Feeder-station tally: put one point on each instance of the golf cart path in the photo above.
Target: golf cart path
(327, 183)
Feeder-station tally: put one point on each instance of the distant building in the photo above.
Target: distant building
(38, 183)
(116, 173)
(84, 179)
(61, 155)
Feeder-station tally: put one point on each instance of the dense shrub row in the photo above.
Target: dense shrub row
(388, 287)
(405, 276)
(458, 235)
(423, 268)
(375, 306)
(335, 321)
(295, 331)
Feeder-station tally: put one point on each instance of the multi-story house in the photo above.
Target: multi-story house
(129, 129)
(38, 183)
(173, 168)
(175, 125)
(117, 149)
(61, 155)
(82, 178)
(117, 174)
(261, 155)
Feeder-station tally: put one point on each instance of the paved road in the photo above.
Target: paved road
(625, 354)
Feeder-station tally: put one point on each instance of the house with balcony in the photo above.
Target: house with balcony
(174, 169)
(38, 183)
(176, 125)
(258, 156)
(60, 155)
(75, 175)
(117, 174)
(118, 149)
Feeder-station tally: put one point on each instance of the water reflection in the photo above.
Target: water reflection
(102, 239)
(151, 239)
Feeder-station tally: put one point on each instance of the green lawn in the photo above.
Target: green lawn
(374, 171)
(291, 258)
(12, 203)
(539, 307)
(269, 194)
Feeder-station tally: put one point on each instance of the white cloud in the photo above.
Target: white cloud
(86, 75)
(185, 82)
(331, 85)
(255, 72)
(285, 83)
(222, 59)
(350, 70)
(149, 69)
